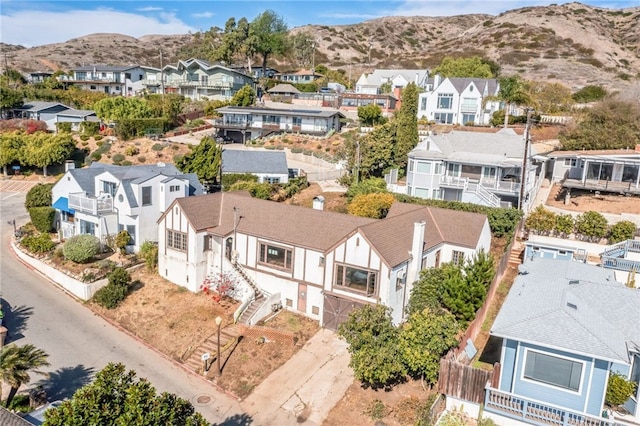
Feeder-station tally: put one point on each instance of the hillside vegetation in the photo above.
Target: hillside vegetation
(573, 44)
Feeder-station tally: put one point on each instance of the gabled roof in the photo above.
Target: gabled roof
(80, 113)
(322, 230)
(107, 68)
(296, 111)
(35, 106)
(283, 88)
(571, 306)
(132, 174)
(378, 77)
(392, 237)
(202, 64)
(504, 148)
(240, 161)
(7, 418)
(484, 85)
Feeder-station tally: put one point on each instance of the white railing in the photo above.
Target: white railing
(485, 195)
(93, 205)
(454, 181)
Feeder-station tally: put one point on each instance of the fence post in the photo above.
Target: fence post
(525, 404)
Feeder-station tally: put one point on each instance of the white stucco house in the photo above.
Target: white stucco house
(320, 264)
(124, 80)
(104, 199)
(459, 100)
(369, 84)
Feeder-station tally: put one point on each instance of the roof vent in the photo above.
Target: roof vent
(161, 164)
(572, 306)
(574, 281)
(523, 270)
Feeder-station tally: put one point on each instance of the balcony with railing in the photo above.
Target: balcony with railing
(92, 205)
(616, 256)
(211, 84)
(232, 124)
(540, 413)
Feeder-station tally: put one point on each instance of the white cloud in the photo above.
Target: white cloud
(202, 15)
(34, 28)
(149, 9)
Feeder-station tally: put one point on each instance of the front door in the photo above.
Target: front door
(302, 297)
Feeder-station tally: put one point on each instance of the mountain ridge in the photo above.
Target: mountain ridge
(573, 44)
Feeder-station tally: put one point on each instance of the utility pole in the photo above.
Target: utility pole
(525, 159)
(357, 162)
(162, 80)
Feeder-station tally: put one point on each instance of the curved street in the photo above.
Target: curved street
(80, 343)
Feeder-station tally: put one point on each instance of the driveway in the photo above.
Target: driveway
(305, 388)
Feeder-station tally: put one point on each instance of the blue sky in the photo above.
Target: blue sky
(32, 22)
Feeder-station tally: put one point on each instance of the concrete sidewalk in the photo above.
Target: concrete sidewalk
(305, 388)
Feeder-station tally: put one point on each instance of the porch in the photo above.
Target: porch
(540, 413)
(91, 205)
(617, 256)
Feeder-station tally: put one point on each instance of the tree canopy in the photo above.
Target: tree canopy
(474, 67)
(122, 108)
(407, 125)
(117, 397)
(370, 114)
(513, 91)
(15, 364)
(375, 205)
(204, 160)
(550, 98)
(268, 35)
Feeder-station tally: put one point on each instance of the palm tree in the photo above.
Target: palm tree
(15, 364)
(513, 90)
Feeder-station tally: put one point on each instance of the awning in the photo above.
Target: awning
(62, 204)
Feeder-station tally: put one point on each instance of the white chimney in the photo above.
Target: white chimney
(318, 202)
(436, 81)
(68, 165)
(417, 246)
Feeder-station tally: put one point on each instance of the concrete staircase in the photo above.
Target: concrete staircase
(251, 309)
(516, 256)
(228, 337)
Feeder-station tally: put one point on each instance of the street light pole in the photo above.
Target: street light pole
(218, 323)
(525, 158)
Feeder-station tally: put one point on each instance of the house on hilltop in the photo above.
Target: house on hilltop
(370, 84)
(104, 199)
(320, 264)
(125, 80)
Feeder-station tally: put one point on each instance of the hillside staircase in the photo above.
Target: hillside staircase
(260, 296)
(516, 255)
(228, 338)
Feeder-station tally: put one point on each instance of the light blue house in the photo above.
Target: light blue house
(565, 326)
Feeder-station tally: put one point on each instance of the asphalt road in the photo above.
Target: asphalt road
(78, 342)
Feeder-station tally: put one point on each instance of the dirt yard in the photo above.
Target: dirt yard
(176, 322)
(583, 201)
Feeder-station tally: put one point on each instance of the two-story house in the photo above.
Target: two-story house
(565, 327)
(104, 199)
(125, 80)
(320, 264)
(474, 167)
(300, 76)
(198, 79)
(246, 123)
(370, 84)
(459, 100)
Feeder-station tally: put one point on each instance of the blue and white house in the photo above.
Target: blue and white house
(104, 199)
(565, 327)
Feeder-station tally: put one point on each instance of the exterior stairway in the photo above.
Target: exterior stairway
(228, 337)
(251, 309)
(516, 256)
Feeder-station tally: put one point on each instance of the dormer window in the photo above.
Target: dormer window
(174, 188)
(109, 188)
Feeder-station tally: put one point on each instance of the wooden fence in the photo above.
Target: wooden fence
(465, 382)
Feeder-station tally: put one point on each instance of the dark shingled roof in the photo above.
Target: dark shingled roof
(240, 161)
(7, 418)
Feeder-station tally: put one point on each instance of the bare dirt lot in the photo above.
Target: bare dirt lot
(583, 201)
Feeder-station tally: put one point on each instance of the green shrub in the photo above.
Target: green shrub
(592, 225)
(142, 159)
(119, 277)
(110, 296)
(39, 196)
(622, 231)
(81, 248)
(158, 147)
(619, 390)
(131, 150)
(38, 244)
(118, 158)
(126, 163)
(96, 156)
(149, 253)
(42, 218)
(100, 143)
(98, 137)
(64, 127)
(122, 240)
(84, 137)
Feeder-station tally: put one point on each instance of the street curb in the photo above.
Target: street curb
(122, 329)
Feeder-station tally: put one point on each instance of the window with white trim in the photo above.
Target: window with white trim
(174, 188)
(457, 257)
(146, 195)
(177, 240)
(570, 162)
(445, 100)
(356, 279)
(551, 370)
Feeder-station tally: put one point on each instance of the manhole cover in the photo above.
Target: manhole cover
(203, 399)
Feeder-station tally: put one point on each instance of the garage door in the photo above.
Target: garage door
(336, 311)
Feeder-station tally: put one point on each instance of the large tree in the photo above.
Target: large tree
(610, 124)
(376, 359)
(122, 108)
(117, 397)
(513, 91)
(407, 124)
(474, 67)
(11, 146)
(205, 160)
(268, 35)
(15, 364)
(550, 98)
(45, 149)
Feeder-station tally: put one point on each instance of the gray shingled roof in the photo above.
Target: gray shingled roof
(504, 148)
(239, 161)
(283, 88)
(76, 113)
(107, 68)
(299, 111)
(376, 77)
(39, 105)
(7, 418)
(572, 306)
(484, 85)
(321, 230)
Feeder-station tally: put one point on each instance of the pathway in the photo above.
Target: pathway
(228, 336)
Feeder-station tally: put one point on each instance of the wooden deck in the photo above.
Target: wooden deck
(603, 186)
